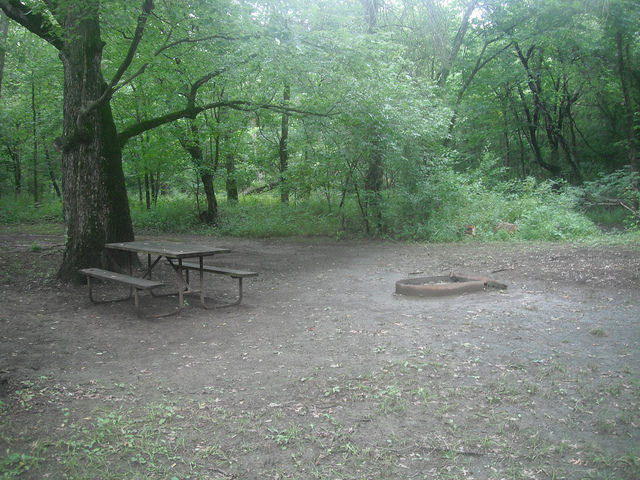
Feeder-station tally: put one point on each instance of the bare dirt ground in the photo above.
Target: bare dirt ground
(323, 372)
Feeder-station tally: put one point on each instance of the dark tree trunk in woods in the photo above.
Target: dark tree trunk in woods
(372, 202)
(34, 125)
(16, 166)
(4, 31)
(52, 175)
(373, 184)
(96, 208)
(155, 179)
(211, 214)
(283, 147)
(231, 182)
(457, 43)
(94, 195)
(205, 172)
(147, 190)
(139, 190)
(626, 80)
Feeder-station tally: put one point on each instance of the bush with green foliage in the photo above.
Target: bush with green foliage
(266, 216)
(176, 213)
(439, 207)
(615, 197)
(436, 208)
(22, 210)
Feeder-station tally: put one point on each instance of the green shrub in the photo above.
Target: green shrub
(550, 212)
(22, 210)
(439, 207)
(436, 207)
(170, 214)
(267, 216)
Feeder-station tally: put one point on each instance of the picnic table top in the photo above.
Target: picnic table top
(167, 248)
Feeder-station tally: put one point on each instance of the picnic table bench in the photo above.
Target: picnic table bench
(233, 273)
(135, 283)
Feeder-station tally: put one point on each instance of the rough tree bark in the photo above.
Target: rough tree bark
(94, 195)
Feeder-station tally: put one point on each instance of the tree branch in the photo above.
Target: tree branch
(53, 7)
(36, 23)
(147, 6)
(457, 43)
(193, 111)
(615, 202)
(201, 39)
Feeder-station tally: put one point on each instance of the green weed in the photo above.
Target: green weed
(15, 464)
(598, 332)
(286, 437)
(390, 400)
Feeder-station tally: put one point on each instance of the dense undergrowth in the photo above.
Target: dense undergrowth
(438, 211)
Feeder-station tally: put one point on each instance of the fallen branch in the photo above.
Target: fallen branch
(615, 202)
(261, 188)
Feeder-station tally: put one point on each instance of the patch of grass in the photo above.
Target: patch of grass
(286, 437)
(348, 427)
(598, 332)
(119, 443)
(15, 464)
(390, 400)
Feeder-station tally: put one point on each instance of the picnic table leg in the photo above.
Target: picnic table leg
(239, 290)
(130, 270)
(202, 282)
(136, 302)
(180, 285)
(90, 285)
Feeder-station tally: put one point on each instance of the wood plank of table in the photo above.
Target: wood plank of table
(168, 248)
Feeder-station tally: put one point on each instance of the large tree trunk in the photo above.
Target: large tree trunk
(96, 208)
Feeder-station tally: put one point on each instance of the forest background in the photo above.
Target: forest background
(406, 119)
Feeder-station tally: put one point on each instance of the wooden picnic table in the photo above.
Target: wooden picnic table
(174, 252)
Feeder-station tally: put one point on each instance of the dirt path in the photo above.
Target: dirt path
(540, 378)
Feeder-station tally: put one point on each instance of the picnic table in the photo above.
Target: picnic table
(174, 253)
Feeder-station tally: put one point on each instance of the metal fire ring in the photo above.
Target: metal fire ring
(443, 285)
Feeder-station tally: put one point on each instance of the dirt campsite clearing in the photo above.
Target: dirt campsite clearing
(323, 372)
